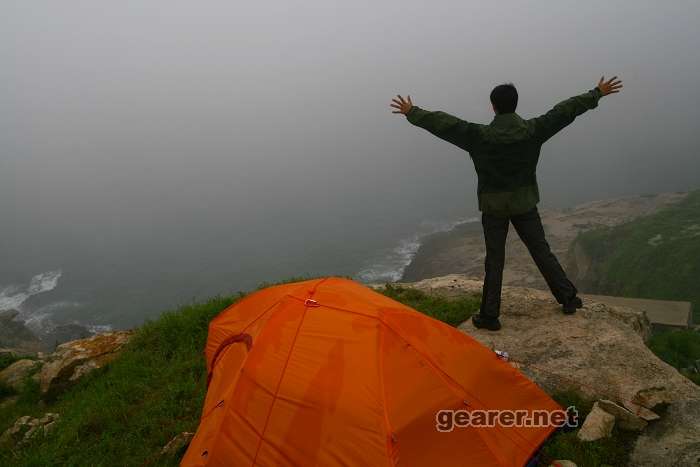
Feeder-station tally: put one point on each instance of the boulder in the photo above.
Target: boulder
(72, 360)
(624, 418)
(6, 315)
(599, 352)
(16, 336)
(16, 374)
(598, 424)
(177, 444)
(64, 333)
(26, 428)
(674, 440)
(8, 402)
(562, 463)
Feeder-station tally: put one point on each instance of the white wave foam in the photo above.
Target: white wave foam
(12, 297)
(38, 323)
(392, 263)
(41, 320)
(98, 328)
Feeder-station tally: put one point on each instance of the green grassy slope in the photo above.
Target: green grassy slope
(656, 256)
(126, 412)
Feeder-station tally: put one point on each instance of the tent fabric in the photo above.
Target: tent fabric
(328, 372)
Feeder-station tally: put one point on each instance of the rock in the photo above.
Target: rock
(26, 428)
(177, 444)
(15, 433)
(598, 424)
(623, 417)
(72, 360)
(64, 333)
(642, 412)
(8, 401)
(599, 353)
(562, 463)
(16, 374)
(674, 440)
(6, 315)
(49, 427)
(16, 336)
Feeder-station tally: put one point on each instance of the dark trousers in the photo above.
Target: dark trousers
(529, 228)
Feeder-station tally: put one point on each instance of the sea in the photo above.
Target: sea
(82, 293)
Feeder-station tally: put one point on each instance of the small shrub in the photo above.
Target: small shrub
(7, 359)
(6, 391)
(679, 349)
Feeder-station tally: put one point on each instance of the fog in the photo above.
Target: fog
(158, 151)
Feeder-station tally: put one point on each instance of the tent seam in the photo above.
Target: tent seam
(279, 384)
(284, 370)
(213, 362)
(234, 388)
(387, 424)
(451, 383)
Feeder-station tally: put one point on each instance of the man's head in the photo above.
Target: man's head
(504, 98)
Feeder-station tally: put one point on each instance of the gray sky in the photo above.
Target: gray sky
(206, 122)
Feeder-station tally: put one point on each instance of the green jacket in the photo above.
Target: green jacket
(505, 152)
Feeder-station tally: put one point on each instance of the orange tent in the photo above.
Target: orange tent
(329, 372)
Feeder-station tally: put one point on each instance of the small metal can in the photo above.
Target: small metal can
(502, 354)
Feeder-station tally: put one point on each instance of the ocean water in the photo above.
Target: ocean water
(13, 296)
(389, 264)
(114, 293)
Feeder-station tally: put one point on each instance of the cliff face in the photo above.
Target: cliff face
(600, 353)
(15, 335)
(654, 256)
(17, 338)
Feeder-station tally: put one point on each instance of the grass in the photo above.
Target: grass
(453, 312)
(677, 348)
(680, 349)
(124, 413)
(656, 256)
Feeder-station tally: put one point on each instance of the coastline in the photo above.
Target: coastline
(441, 251)
(460, 250)
(389, 265)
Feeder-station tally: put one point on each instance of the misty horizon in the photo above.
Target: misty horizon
(155, 152)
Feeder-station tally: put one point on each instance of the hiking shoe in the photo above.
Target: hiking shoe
(572, 305)
(482, 323)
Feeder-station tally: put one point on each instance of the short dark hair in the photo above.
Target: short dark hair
(504, 98)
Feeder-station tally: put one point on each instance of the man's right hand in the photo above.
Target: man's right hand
(610, 86)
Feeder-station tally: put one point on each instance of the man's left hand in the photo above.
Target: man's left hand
(403, 106)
